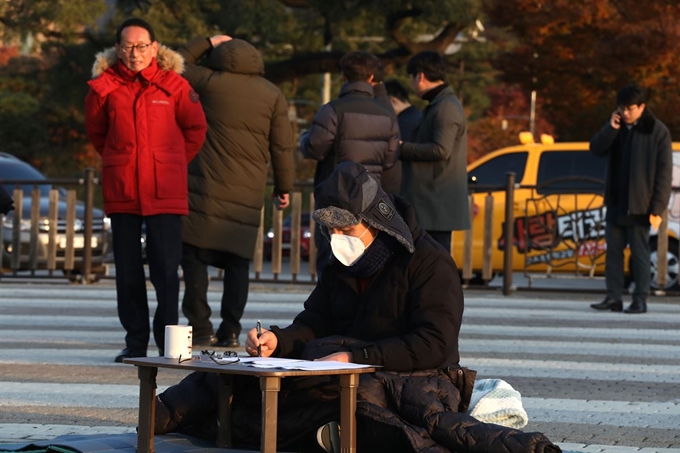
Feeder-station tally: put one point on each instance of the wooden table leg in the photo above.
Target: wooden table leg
(270, 387)
(224, 392)
(348, 408)
(147, 408)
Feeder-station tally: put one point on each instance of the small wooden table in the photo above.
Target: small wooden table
(270, 383)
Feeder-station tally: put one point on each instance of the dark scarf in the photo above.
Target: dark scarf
(431, 94)
(374, 258)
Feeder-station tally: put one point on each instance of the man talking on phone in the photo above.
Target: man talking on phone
(638, 186)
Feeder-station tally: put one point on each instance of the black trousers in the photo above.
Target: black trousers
(163, 254)
(617, 238)
(195, 262)
(443, 237)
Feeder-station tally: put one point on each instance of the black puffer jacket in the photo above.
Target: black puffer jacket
(408, 318)
(355, 127)
(417, 412)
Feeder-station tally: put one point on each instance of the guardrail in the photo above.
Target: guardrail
(65, 242)
(52, 237)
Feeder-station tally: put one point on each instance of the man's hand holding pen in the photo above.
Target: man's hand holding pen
(267, 342)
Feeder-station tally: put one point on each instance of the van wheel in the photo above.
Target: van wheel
(672, 260)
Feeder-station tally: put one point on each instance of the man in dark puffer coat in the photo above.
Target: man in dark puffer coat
(397, 304)
(248, 128)
(356, 127)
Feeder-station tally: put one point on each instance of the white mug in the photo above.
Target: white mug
(178, 342)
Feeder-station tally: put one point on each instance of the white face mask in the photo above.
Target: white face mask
(347, 249)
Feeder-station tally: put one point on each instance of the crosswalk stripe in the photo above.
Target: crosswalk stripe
(489, 368)
(587, 348)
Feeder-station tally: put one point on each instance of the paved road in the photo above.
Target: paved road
(592, 382)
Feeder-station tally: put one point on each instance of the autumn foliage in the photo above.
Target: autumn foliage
(577, 56)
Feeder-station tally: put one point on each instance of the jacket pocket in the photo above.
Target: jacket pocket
(118, 177)
(171, 175)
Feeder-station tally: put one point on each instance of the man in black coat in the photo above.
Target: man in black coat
(434, 177)
(637, 190)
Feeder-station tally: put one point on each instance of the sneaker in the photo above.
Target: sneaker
(328, 437)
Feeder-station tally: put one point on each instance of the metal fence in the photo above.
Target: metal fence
(61, 233)
(51, 230)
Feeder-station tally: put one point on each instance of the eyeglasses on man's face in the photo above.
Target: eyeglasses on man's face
(141, 48)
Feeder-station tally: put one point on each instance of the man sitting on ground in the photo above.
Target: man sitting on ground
(389, 297)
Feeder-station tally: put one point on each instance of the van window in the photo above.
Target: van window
(570, 164)
(492, 172)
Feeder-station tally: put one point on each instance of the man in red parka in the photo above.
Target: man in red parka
(147, 124)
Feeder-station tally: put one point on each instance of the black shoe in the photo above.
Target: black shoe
(206, 340)
(608, 304)
(228, 341)
(128, 353)
(328, 437)
(636, 307)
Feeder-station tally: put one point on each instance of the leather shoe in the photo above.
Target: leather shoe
(128, 353)
(636, 307)
(608, 304)
(206, 340)
(228, 341)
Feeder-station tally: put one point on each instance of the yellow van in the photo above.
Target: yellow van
(559, 211)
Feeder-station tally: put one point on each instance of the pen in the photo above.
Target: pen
(259, 332)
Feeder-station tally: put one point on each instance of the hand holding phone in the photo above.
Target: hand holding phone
(615, 120)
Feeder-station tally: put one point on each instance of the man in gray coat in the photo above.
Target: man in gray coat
(434, 176)
(639, 173)
(248, 128)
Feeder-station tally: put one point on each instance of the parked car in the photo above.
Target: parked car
(285, 237)
(559, 225)
(12, 168)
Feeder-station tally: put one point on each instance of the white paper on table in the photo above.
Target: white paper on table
(296, 364)
(328, 365)
(267, 361)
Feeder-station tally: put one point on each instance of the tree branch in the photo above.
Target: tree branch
(319, 62)
(393, 23)
(438, 44)
(295, 3)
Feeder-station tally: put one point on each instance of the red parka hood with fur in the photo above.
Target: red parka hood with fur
(147, 127)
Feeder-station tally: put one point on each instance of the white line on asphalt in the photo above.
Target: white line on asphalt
(18, 394)
(558, 348)
(494, 368)
(581, 448)
(629, 334)
(55, 333)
